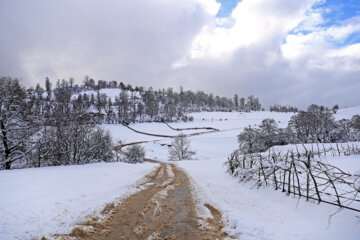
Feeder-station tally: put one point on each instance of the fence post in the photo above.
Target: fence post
(262, 170)
(289, 179)
(307, 177)
(337, 146)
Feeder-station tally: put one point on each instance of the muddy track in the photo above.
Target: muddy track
(164, 209)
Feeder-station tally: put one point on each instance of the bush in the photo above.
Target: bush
(135, 154)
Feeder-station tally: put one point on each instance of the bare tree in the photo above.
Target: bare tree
(180, 149)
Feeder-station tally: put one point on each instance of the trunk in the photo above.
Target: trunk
(5, 141)
(39, 157)
(7, 165)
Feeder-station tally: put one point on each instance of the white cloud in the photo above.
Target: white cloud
(311, 21)
(210, 6)
(320, 47)
(257, 22)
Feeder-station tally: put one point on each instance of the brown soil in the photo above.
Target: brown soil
(165, 209)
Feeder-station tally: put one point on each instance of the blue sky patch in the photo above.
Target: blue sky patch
(339, 11)
(226, 8)
(336, 13)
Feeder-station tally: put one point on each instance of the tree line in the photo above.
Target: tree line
(135, 104)
(58, 126)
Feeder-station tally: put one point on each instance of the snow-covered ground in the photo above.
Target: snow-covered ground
(111, 93)
(347, 113)
(38, 202)
(253, 213)
(267, 214)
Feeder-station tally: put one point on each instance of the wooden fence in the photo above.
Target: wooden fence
(302, 173)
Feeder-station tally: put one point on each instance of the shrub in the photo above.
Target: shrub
(135, 154)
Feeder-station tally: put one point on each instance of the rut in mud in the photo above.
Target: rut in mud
(164, 209)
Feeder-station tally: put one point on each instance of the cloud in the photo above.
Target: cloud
(323, 47)
(282, 51)
(256, 22)
(125, 40)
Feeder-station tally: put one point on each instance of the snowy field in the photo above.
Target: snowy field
(43, 201)
(267, 214)
(253, 213)
(347, 113)
(37, 202)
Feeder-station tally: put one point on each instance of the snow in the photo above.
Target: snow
(251, 213)
(349, 164)
(111, 93)
(330, 148)
(231, 120)
(267, 214)
(38, 202)
(43, 201)
(120, 132)
(259, 213)
(347, 113)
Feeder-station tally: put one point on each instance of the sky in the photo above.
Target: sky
(294, 52)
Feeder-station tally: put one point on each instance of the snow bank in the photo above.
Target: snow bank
(267, 214)
(37, 202)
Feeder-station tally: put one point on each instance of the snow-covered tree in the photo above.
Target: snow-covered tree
(355, 122)
(135, 154)
(14, 131)
(249, 142)
(269, 133)
(314, 125)
(180, 149)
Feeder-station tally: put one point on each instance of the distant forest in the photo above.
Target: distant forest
(133, 104)
(58, 125)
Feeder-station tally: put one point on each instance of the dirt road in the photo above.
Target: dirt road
(164, 209)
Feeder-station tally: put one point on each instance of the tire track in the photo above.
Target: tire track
(165, 209)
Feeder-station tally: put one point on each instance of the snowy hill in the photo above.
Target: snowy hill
(111, 93)
(347, 113)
